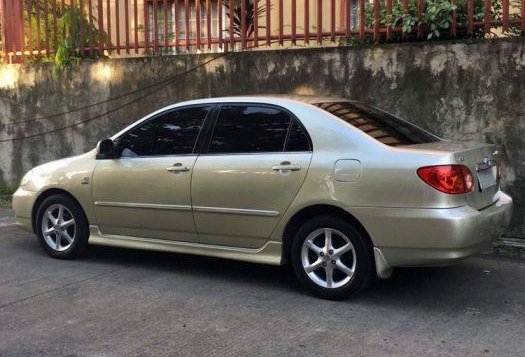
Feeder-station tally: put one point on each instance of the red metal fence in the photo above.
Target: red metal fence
(36, 29)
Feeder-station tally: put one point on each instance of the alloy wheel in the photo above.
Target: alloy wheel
(328, 258)
(58, 227)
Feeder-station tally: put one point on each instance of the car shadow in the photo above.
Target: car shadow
(190, 264)
(406, 284)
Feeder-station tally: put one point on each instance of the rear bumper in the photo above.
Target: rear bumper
(426, 237)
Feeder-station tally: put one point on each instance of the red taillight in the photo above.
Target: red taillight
(452, 179)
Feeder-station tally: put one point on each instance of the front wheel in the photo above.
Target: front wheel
(62, 227)
(331, 258)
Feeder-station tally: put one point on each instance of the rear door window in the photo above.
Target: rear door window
(297, 138)
(380, 125)
(249, 129)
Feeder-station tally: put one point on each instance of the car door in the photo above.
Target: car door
(145, 192)
(255, 163)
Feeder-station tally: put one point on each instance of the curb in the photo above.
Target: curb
(509, 247)
(511, 242)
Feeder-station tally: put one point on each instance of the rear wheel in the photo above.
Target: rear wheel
(331, 258)
(62, 227)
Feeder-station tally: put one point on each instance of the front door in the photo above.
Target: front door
(256, 162)
(145, 192)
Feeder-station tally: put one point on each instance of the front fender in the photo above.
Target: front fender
(72, 175)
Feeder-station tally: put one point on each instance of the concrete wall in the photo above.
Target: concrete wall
(461, 91)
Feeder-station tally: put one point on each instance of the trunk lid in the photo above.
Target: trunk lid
(481, 159)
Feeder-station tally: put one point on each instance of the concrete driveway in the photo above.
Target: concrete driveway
(118, 302)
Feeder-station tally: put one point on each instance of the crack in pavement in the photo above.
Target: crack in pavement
(7, 221)
(60, 288)
(7, 224)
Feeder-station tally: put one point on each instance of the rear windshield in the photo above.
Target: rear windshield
(380, 125)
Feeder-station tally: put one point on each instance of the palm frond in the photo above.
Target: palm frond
(234, 14)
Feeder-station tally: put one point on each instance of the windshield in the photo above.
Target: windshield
(378, 124)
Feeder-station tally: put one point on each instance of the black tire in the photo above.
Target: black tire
(364, 268)
(81, 228)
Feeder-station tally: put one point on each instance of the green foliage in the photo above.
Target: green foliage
(354, 41)
(7, 190)
(436, 16)
(65, 55)
(68, 39)
(5, 196)
(250, 16)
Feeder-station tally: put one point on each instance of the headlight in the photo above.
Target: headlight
(27, 177)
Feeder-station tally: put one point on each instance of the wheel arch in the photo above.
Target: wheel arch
(309, 212)
(50, 192)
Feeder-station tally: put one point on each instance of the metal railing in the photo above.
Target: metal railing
(39, 29)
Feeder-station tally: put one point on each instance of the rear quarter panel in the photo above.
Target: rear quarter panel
(388, 175)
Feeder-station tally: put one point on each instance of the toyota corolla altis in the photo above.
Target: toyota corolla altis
(341, 190)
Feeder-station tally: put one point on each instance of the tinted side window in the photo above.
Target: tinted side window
(297, 139)
(171, 133)
(249, 128)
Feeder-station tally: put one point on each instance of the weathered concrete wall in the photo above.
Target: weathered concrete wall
(461, 91)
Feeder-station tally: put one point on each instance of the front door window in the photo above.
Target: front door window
(172, 133)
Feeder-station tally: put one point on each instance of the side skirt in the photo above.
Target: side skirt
(270, 253)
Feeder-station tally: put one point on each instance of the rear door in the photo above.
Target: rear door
(255, 163)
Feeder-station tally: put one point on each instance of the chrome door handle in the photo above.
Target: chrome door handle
(177, 168)
(286, 166)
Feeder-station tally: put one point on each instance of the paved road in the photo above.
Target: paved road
(129, 303)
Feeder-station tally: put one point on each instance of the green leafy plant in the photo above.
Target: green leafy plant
(7, 190)
(65, 55)
(354, 41)
(68, 39)
(407, 20)
(5, 196)
(437, 16)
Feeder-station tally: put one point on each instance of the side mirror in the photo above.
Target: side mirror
(106, 149)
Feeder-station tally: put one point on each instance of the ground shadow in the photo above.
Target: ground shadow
(405, 283)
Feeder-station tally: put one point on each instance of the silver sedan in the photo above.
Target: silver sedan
(340, 190)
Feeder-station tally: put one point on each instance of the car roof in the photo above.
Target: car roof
(269, 98)
(275, 99)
